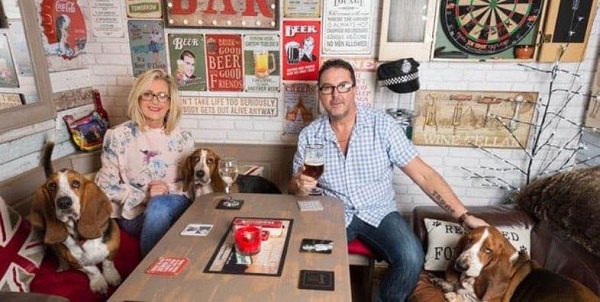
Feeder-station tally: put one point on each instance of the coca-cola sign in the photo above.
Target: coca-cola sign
(223, 13)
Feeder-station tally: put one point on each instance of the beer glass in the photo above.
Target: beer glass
(314, 164)
(228, 170)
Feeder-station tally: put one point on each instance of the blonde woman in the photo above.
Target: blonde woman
(140, 159)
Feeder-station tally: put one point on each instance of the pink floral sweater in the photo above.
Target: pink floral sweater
(132, 158)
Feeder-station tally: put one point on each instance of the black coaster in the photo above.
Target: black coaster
(316, 246)
(234, 204)
(319, 280)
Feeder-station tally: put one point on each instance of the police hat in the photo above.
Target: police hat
(401, 76)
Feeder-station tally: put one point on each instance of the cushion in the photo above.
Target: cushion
(21, 251)
(442, 237)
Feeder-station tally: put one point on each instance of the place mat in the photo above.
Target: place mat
(268, 262)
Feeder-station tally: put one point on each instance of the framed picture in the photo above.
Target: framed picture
(490, 119)
(222, 14)
(8, 75)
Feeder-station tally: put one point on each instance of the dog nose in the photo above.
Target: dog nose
(64, 203)
(461, 266)
(199, 173)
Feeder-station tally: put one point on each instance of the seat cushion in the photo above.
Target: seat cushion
(21, 251)
(74, 284)
(357, 247)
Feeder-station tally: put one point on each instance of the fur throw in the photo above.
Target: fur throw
(569, 202)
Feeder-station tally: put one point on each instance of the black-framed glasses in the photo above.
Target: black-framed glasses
(342, 87)
(161, 96)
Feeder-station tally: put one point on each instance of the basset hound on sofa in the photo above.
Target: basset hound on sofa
(74, 215)
(200, 172)
(487, 267)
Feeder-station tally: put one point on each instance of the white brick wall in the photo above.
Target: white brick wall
(111, 73)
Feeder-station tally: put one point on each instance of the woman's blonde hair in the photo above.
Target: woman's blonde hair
(141, 85)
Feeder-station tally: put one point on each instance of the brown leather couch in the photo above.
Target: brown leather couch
(554, 252)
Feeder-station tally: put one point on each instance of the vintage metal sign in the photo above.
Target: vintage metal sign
(365, 79)
(223, 13)
(107, 19)
(302, 8)
(224, 62)
(144, 8)
(262, 72)
(229, 106)
(300, 102)
(301, 44)
(147, 43)
(8, 100)
(348, 27)
(186, 56)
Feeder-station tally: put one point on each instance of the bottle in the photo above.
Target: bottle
(98, 105)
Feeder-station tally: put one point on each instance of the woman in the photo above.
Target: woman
(140, 159)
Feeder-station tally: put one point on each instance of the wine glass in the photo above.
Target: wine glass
(314, 163)
(228, 170)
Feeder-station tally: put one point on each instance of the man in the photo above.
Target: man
(362, 146)
(186, 65)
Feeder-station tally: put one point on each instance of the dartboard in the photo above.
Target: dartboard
(486, 27)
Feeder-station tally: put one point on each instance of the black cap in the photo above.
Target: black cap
(401, 76)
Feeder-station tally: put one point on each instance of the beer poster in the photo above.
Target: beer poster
(186, 58)
(8, 75)
(246, 14)
(262, 72)
(302, 8)
(301, 45)
(144, 9)
(348, 27)
(224, 62)
(147, 43)
(300, 103)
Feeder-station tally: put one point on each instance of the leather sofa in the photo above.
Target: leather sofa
(551, 250)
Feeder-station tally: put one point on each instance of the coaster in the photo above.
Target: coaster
(169, 266)
(194, 229)
(234, 204)
(319, 280)
(316, 246)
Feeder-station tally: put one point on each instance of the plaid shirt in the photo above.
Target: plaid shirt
(363, 178)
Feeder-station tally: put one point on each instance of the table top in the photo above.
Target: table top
(193, 284)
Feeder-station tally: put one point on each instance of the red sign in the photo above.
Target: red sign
(64, 28)
(301, 49)
(224, 62)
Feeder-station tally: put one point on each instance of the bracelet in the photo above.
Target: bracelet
(463, 217)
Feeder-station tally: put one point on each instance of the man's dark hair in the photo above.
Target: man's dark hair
(337, 63)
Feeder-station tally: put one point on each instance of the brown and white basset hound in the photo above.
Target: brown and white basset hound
(200, 173)
(487, 267)
(74, 214)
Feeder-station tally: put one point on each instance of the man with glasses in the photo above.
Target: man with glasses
(362, 146)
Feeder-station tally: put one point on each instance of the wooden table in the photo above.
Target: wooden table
(192, 284)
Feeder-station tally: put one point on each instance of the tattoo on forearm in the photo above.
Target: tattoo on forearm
(441, 202)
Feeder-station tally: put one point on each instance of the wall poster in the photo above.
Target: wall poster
(8, 75)
(300, 103)
(229, 106)
(107, 19)
(144, 9)
(262, 72)
(147, 43)
(65, 34)
(8, 100)
(224, 62)
(301, 44)
(366, 77)
(348, 27)
(467, 118)
(302, 8)
(261, 14)
(186, 57)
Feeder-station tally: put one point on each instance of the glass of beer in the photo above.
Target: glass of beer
(314, 164)
(228, 170)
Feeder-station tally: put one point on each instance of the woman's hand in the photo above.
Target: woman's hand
(157, 187)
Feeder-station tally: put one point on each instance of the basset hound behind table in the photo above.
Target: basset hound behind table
(200, 173)
(486, 267)
(74, 214)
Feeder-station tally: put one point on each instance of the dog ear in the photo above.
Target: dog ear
(95, 211)
(43, 216)
(452, 275)
(494, 278)
(186, 171)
